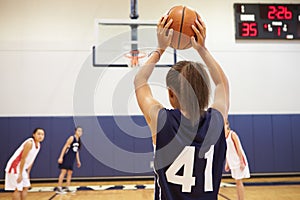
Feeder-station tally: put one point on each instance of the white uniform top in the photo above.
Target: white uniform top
(13, 165)
(232, 155)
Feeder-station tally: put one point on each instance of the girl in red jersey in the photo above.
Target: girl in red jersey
(19, 165)
(236, 160)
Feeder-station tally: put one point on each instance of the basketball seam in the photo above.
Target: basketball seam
(181, 26)
(197, 16)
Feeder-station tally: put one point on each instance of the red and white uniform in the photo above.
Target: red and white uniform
(13, 167)
(234, 160)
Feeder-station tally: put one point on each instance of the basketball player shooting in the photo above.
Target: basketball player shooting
(179, 133)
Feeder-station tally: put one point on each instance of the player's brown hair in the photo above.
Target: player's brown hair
(190, 83)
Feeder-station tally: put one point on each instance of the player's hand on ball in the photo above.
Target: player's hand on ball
(200, 32)
(164, 34)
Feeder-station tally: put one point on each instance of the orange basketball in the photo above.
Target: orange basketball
(183, 19)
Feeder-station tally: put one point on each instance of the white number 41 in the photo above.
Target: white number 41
(187, 180)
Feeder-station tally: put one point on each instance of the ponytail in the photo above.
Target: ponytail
(190, 82)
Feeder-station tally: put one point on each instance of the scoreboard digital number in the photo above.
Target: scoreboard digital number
(267, 21)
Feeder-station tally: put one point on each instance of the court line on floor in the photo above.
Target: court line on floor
(222, 195)
(105, 187)
(271, 183)
(53, 196)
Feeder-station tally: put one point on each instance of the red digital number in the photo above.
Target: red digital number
(278, 31)
(288, 14)
(249, 29)
(280, 12)
(271, 12)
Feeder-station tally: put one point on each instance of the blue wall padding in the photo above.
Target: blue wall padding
(271, 143)
(263, 144)
(282, 138)
(243, 126)
(295, 124)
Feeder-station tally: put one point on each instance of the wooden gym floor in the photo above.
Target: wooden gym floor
(255, 189)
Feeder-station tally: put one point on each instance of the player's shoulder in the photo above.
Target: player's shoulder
(234, 135)
(28, 143)
(168, 111)
(214, 112)
(70, 139)
(168, 114)
(213, 118)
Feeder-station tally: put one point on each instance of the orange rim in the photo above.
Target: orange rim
(135, 55)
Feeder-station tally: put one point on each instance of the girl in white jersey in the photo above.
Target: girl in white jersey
(236, 160)
(19, 165)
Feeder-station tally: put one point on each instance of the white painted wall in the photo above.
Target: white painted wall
(45, 48)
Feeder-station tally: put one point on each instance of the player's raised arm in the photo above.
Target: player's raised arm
(221, 97)
(147, 103)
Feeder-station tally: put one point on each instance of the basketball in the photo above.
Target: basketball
(183, 19)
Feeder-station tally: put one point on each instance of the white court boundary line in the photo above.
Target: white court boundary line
(107, 187)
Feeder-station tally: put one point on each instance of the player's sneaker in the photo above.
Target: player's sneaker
(59, 190)
(69, 190)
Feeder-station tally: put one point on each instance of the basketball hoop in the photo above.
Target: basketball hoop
(134, 56)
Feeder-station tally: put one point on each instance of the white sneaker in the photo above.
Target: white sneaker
(69, 190)
(59, 190)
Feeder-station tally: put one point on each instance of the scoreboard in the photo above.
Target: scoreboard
(267, 21)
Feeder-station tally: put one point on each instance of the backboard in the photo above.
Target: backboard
(118, 41)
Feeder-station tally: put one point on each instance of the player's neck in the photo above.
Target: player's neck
(77, 137)
(36, 143)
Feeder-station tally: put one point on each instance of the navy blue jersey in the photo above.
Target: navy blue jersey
(189, 159)
(70, 155)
